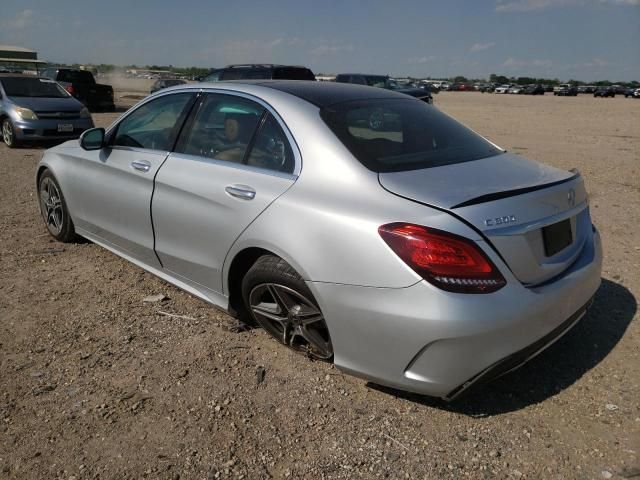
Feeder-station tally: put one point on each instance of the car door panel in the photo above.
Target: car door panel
(118, 180)
(117, 197)
(197, 217)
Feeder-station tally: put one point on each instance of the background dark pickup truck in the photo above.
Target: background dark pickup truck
(82, 85)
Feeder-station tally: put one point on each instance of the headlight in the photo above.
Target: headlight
(26, 114)
(84, 113)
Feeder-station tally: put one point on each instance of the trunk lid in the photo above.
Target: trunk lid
(512, 201)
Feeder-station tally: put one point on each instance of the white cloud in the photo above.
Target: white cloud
(517, 63)
(622, 2)
(275, 42)
(421, 60)
(537, 5)
(594, 63)
(284, 41)
(331, 49)
(478, 47)
(22, 20)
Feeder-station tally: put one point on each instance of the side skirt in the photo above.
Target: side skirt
(216, 299)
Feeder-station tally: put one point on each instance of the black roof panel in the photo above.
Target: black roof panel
(324, 94)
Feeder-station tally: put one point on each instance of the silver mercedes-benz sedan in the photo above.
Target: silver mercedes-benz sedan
(354, 224)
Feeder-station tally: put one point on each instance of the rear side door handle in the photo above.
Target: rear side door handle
(244, 192)
(141, 165)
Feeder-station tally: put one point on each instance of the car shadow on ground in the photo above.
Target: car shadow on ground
(555, 369)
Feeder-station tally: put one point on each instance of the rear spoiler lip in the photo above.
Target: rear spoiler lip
(512, 193)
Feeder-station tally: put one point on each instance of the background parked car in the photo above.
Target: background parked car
(82, 85)
(629, 92)
(502, 88)
(605, 92)
(563, 86)
(263, 71)
(383, 81)
(533, 90)
(516, 89)
(566, 92)
(36, 109)
(165, 83)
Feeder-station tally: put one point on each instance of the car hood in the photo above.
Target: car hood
(452, 185)
(38, 104)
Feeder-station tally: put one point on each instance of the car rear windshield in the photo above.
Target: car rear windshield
(75, 76)
(399, 135)
(32, 87)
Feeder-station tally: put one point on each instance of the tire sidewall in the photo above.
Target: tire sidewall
(14, 142)
(67, 232)
(254, 278)
(279, 272)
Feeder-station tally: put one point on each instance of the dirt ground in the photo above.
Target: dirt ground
(95, 383)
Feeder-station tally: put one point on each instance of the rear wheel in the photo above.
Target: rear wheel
(54, 209)
(280, 301)
(9, 134)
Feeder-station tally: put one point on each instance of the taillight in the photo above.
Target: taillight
(448, 261)
(70, 89)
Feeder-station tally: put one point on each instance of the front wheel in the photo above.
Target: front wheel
(9, 134)
(279, 300)
(54, 209)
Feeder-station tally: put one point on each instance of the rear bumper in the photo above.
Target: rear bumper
(428, 341)
(41, 130)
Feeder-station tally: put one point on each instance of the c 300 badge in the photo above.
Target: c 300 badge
(492, 222)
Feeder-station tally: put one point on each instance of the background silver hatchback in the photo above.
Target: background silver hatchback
(354, 224)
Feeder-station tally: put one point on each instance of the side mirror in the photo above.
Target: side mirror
(92, 139)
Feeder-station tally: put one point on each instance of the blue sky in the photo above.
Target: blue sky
(580, 39)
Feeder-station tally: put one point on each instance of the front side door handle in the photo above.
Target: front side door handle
(141, 165)
(244, 192)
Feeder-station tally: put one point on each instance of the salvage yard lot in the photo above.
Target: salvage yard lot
(96, 383)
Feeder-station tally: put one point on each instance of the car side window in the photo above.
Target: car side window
(155, 124)
(271, 150)
(222, 128)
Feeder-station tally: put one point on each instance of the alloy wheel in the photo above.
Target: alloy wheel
(51, 206)
(292, 319)
(7, 133)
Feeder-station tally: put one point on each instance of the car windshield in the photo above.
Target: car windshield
(32, 87)
(399, 135)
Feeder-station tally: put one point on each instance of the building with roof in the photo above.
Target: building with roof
(18, 59)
